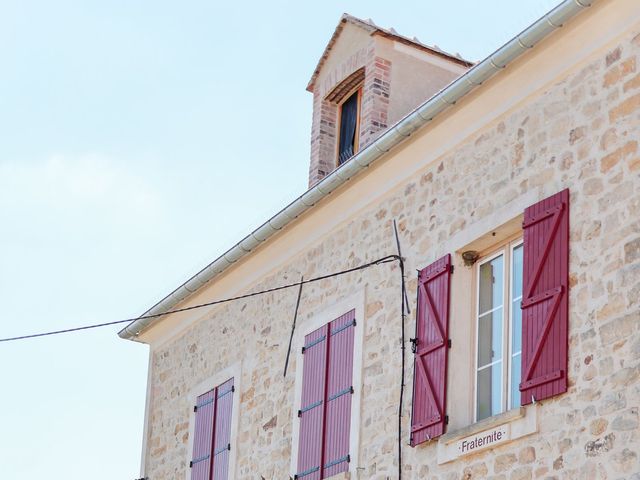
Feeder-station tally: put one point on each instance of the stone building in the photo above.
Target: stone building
(514, 184)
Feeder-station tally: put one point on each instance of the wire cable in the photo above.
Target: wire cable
(380, 261)
(404, 308)
(293, 327)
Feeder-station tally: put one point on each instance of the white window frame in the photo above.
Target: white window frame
(505, 249)
(512, 246)
(353, 302)
(233, 371)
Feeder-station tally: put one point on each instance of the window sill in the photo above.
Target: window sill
(488, 433)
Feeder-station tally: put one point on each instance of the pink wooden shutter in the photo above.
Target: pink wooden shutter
(431, 349)
(339, 392)
(311, 412)
(203, 436)
(545, 316)
(222, 437)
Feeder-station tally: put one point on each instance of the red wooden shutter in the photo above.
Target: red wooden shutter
(325, 413)
(431, 349)
(339, 392)
(545, 315)
(222, 437)
(311, 412)
(203, 436)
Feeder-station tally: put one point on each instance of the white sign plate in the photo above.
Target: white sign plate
(482, 440)
(515, 425)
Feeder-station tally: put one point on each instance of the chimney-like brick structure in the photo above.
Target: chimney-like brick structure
(395, 74)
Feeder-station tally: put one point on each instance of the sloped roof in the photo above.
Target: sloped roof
(374, 29)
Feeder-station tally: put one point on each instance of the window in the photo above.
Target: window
(212, 433)
(499, 331)
(349, 126)
(325, 407)
(500, 320)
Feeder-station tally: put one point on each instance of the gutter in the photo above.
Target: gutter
(395, 135)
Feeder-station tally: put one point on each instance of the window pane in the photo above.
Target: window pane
(491, 285)
(516, 326)
(516, 298)
(490, 338)
(515, 380)
(516, 262)
(489, 384)
(489, 379)
(348, 122)
(490, 311)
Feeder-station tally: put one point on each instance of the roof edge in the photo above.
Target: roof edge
(392, 137)
(374, 29)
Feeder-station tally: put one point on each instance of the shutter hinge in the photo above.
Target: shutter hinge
(303, 349)
(233, 388)
(195, 408)
(449, 343)
(299, 413)
(446, 419)
(451, 268)
(414, 344)
(191, 464)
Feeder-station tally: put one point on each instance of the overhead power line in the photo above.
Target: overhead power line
(387, 259)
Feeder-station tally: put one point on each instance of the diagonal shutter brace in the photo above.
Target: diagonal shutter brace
(344, 327)
(206, 402)
(313, 343)
(346, 458)
(198, 460)
(222, 449)
(322, 338)
(309, 407)
(306, 472)
(231, 390)
(341, 393)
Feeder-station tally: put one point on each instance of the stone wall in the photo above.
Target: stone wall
(580, 133)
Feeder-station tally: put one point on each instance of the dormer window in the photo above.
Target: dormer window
(349, 121)
(352, 88)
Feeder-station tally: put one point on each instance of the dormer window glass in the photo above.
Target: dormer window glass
(349, 127)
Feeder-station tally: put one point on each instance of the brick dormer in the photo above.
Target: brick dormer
(367, 79)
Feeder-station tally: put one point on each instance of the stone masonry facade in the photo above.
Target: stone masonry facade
(580, 133)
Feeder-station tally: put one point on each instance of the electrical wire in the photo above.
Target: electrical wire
(380, 261)
(293, 328)
(404, 308)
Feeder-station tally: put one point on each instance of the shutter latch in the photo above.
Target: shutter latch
(414, 344)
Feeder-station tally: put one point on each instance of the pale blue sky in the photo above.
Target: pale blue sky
(139, 140)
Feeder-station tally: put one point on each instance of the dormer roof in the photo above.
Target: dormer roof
(373, 29)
